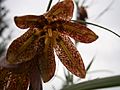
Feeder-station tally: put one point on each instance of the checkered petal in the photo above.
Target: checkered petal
(77, 31)
(46, 60)
(12, 81)
(29, 21)
(62, 10)
(23, 48)
(69, 56)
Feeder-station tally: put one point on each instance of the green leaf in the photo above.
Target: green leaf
(96, 84)
(90, 64)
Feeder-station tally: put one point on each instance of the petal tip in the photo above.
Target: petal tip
(84, 75)
(91, 38)
(96, 37)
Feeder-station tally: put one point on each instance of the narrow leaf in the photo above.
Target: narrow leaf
(90, 64)
(96, 84)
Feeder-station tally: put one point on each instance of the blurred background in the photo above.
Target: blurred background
(105, 51)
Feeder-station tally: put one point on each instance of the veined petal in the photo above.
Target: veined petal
(23, 48)
(46, 59)
(62, 10)
(28, 21)
(69, 56)
(12, 81)
(77, 31)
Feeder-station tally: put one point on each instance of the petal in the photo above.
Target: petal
(46, 61)
(77, 31)
(35, 77)
(28, 21)
(18, 82)
(69, 56)
(62, 10)
(23, 48)
(12, 81)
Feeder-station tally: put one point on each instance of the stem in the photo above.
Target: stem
(105, 10)
(84, 22)
(50, 2)
(83, 2)
(90, 64)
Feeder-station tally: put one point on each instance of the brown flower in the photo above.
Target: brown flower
(49, 32)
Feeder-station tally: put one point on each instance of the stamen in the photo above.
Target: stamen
(49, 32)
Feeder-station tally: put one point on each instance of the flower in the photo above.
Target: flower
(49, 32)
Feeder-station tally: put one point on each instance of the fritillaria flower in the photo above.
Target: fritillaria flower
(48, 33)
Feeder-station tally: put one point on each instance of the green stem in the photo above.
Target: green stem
(90, 64)
(50, 2)
(84, 22)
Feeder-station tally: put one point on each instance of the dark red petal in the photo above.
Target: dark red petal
(23, 48)
(12, 81)
(69, 56)
(28, 21)
(78, 32)
(46, 59)
(62, 10)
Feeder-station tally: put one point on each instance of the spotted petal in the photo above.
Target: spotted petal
(69, 56)
(23, 48)
(46, 60)
(28, 21)
(62, 10)
(77, 31)
(12, 81)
